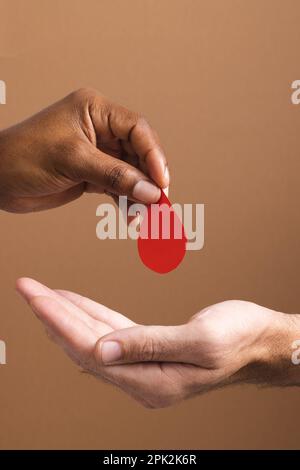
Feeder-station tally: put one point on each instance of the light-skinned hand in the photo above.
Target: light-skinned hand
(226, 343)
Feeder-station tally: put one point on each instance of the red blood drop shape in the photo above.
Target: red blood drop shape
(162, 241)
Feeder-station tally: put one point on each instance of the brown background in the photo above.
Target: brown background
(214, 79)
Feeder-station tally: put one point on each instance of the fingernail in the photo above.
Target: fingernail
(111, 351)
(167, 174)
(166, 191)
(146, 192)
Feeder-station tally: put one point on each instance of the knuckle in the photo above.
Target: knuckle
(82, 94)
(142, 122)
(147, 349)
(97, 355)
(115, 177)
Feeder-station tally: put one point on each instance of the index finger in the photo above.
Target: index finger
(132, 128)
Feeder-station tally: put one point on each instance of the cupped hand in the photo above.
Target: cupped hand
(230, 342)
(83, 143)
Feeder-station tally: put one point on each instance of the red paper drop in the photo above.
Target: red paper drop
(162, 255)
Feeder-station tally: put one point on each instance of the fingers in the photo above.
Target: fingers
(145, 142)
(97, 311)
(114, 175)
(71, 332)
(23, 205)
(131, 129)
(29, 288)
(149, 343)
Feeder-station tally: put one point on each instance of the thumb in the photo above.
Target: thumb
(115, 176)
(147, 344)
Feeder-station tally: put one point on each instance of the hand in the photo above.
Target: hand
(83, 143)
(230, 342)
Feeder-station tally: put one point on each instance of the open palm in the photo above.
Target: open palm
(161, 364)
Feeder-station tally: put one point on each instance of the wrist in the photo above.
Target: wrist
(277, 361)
